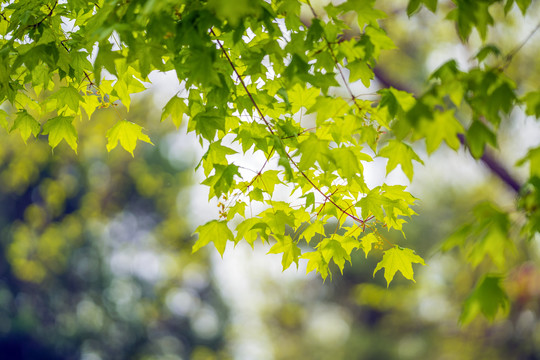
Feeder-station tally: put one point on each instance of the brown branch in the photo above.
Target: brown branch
(243, 83)
(268, 125)
(51, 10)
(488, 158)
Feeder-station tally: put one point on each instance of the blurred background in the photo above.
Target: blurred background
(95, 248)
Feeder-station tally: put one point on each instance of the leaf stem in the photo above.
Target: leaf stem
(269, 127)
(334, 57)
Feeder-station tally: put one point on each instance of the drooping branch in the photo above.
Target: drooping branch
(488, 158)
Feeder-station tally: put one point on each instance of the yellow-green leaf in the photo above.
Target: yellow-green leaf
(399, 153)
(26, 124)
(367, 242)
(316, 262)
(69, 96)
(127, 133)
(302, 97)
(59, 128)
(286, 246)
(176, 108)
(214, 231)
(316, 227)
(332, 249)
(398, 259)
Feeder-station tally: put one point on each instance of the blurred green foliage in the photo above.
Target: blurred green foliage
(95, 251)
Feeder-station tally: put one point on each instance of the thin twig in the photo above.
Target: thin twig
(243, 83)
(512, 53)
(268, 125)
(338, 67)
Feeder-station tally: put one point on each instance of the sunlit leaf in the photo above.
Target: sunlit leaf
(398, 259)
(61, 128)
(399, 153)
(286, 246)
(26, 125)
(127, 133)
(213, 231)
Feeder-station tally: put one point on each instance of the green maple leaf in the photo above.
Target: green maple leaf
(252, 134)
(59, 128)
(398, 259)
(348, 161)
(214, 231)
(522, 4)
(359, 69)
(478, 136)
(332, 249)
(222, 180)
(216, 154)
(365, 11)
(487, 298)
(69, 96)
(252, 229)
(399, 153)
(316, 262)
(492, 244)
(127, 133)
(238, 208)
(312, 149)
(316, 227)
(267, 181)
(532, 102)
(277, 220)
(80, 63)
(444, 126)
(348, 243)
(106, 59)
(396, 101)
(207, 123)
(26, 125)
(414, 6)
(491, 230)
(487, 50)
(367, 242)
(200, 66)
(533, 157)
(328, 108)
(291, 251)
(372, 204)
(300, 97)
(175, 108)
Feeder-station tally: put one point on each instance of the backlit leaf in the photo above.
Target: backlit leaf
(127, 133)
(175, 108)
(398, 259)
(61, 127)
(69, 96)
(316, 262)
(399, 153)
(213, 231)
(26, 125)
(286, 246)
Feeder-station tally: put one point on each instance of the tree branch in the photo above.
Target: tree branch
(488, 158)
(269, 127)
